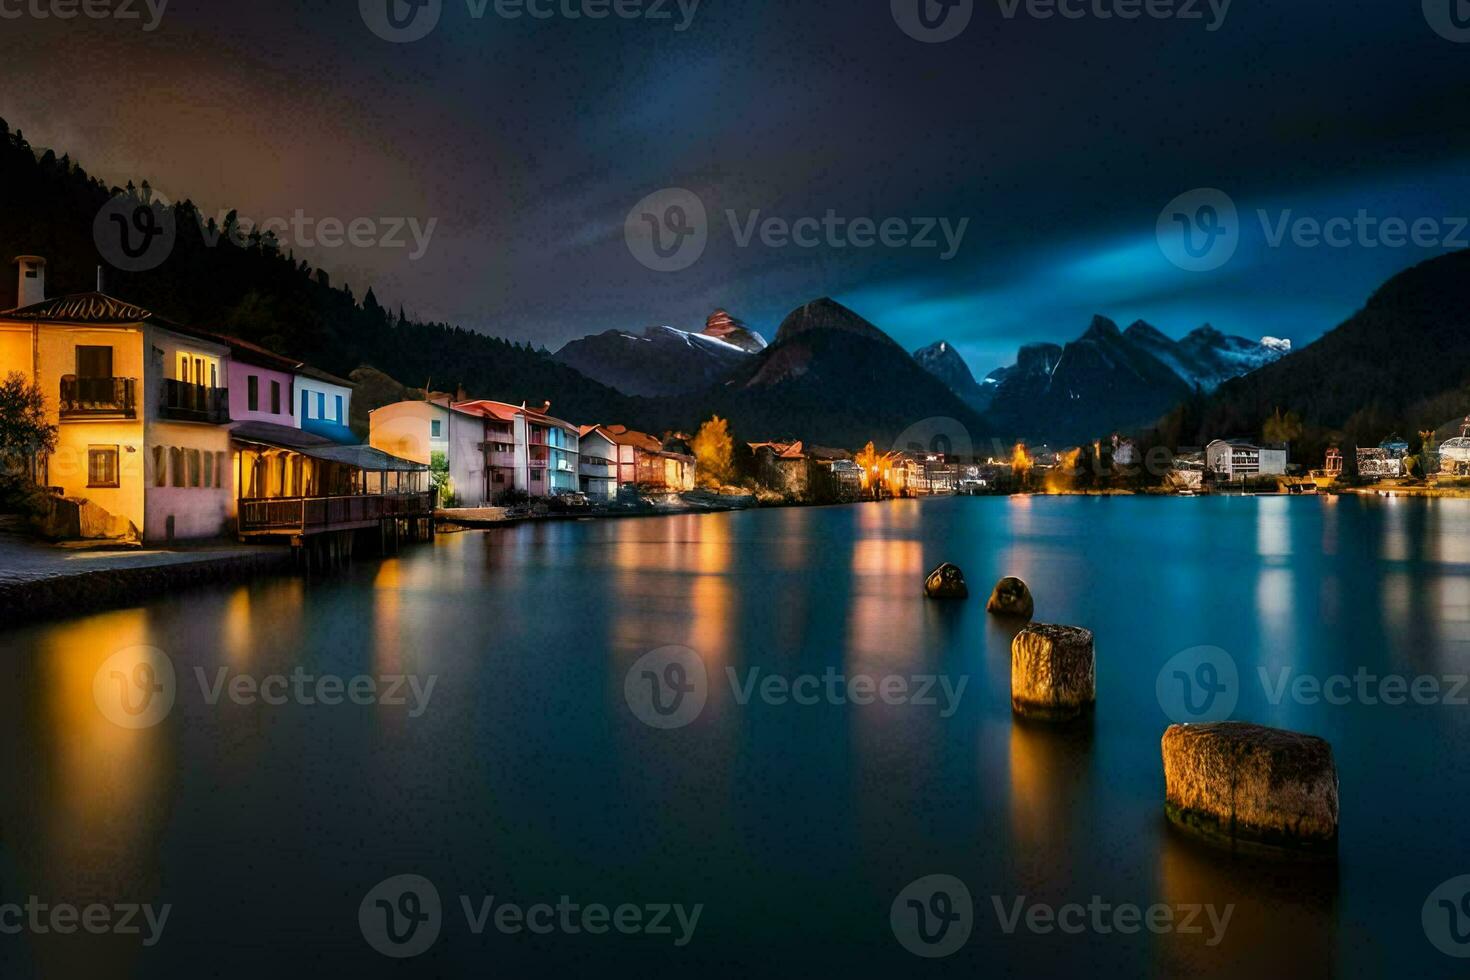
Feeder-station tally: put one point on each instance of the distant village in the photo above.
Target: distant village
(152, 431)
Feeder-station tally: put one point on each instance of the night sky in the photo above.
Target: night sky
(529, 140)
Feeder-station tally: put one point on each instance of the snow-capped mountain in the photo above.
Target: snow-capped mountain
(1111, 379)
(663, 360)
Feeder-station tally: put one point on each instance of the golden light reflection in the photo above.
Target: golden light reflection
(887, 556)
(238, 637)
(108, 788)
(388, 618)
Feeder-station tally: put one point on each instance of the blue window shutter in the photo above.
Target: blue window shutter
(340, 420)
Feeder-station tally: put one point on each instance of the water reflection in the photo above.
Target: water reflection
(1283, 914)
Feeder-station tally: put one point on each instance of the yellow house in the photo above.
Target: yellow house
(140, 405)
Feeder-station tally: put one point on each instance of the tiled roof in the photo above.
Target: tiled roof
(83, 308)
(307, 371)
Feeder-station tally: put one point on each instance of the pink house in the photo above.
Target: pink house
(261, 384)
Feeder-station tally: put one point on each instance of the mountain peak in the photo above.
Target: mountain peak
(1143, 330)
(1102, 328)
(722, 326)
(827, 314)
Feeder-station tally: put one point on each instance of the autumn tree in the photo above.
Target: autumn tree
(714, 452)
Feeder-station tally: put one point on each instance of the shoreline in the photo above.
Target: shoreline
(41, 581)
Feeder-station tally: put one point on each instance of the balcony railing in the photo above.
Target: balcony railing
(184, 402)
(84, 397)
(311, 515)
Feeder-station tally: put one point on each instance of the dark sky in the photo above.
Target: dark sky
(529, 140)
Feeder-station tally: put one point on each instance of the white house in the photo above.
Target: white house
(1234, 459)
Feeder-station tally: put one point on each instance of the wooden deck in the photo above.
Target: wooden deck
(301, 517)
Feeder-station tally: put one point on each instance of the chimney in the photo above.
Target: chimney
(32, 287)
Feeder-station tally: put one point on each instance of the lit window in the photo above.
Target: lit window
(102, 466)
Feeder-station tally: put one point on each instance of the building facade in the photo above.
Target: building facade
(1236, 459)
(141, 409)
(323, 405)
(417, 430)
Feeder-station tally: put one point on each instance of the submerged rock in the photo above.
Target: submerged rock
(1011, 598)
(946, 582)
(1253, 788)
(1053, 672)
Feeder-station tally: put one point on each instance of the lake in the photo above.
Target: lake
(848, 738)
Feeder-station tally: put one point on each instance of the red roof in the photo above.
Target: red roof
(507, 413)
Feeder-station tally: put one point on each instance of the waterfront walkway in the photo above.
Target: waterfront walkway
(37, 579)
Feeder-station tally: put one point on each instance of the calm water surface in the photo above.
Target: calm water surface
(528, 777)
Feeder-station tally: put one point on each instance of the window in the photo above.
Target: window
(94, 362)
(176, 463)
(321, 404)
(436, 429)
(102, 466)
(195, 476)
(339, 410)
(275, 398)
(252, 393)
(304, 415)
(160, 466)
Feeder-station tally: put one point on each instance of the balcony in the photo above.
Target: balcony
(303, 516)
(83, 398)
(184, 402)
